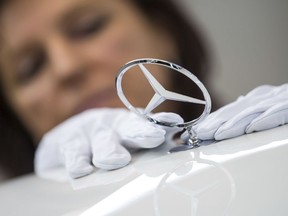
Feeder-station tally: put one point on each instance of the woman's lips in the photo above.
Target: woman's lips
(105, 98)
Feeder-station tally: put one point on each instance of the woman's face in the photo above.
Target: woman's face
(59, 58)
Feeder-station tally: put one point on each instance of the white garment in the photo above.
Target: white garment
(263, 108)
(98, 138)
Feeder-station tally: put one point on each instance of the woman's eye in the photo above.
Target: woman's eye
(88, 27)
(30, 67)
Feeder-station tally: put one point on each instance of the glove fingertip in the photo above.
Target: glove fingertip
(114, 161)
(80, 171)
(225, 132)
(204, 133)
(268, 122)
(168, 117)
(152, 142)
(78, 167)
(205, 136)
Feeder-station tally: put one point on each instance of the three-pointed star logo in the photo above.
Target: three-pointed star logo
(161, 94)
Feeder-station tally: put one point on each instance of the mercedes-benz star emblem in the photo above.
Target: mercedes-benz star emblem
(161, 94)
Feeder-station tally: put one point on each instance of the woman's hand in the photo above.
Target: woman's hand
(263, 108)
(99, 138)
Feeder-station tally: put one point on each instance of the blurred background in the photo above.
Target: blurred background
(249, 40)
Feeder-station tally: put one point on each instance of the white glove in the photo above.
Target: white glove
(98, 137)
(263, 108)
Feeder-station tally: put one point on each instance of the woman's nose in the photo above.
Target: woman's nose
(67, 65)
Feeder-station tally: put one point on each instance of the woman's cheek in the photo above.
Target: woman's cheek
(33, 105)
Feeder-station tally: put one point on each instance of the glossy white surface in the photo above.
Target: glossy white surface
(242, 176)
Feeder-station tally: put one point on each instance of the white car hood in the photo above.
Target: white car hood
(242, 176)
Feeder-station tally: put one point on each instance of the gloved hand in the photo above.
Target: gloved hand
(100, 138)
(263, 108)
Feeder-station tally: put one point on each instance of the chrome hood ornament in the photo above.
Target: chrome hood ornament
(161, 94)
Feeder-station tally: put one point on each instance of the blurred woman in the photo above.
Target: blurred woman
(59, 58)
